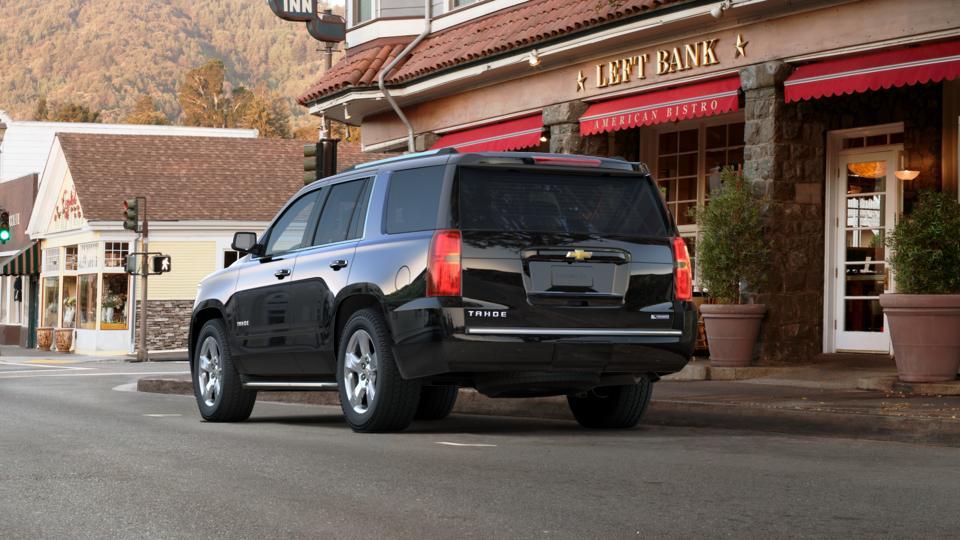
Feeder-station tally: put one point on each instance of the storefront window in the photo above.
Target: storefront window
(113, 315)
(115, 254)
(51, 260)
(70, 258)
(89, 256)
(51, 299)
(87, 301)
(69, 301)
(678, 160)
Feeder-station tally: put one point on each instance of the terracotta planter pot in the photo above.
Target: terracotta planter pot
(732, 331)
(44, 338)
(925, 331)
(64, 339)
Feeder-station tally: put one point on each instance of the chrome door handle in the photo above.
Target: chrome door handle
(282, 273)
(338, 264)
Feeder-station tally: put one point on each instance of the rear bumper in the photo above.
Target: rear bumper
(443, 345)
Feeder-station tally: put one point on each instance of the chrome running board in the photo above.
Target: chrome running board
(289, 385)
(572, 332)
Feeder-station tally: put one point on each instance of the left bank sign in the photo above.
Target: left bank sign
(294, 10)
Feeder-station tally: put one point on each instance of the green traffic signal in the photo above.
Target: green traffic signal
(4, 227)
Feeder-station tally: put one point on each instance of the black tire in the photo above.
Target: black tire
(436, 402)
(612, 407)
(232, 403)
(395, 399)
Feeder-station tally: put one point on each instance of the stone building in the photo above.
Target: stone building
(823, 104)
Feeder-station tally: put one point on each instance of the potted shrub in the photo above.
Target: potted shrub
(924, 315)
(731, 253)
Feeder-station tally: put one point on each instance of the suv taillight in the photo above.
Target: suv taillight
(443, 264)
(683, 274)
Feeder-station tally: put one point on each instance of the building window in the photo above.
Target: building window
(689, 158)
(113, 315)
(230, 257)
(89, 257)
(51, 299)
(454, 4)
(70, 258)
(115, 254)
(51, 260)
(87, 301)
(69, 301)
(362, 11)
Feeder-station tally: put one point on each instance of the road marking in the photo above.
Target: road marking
(445, 443)
(109, 374)
(49, 361)
(33, 365)
(162, 415)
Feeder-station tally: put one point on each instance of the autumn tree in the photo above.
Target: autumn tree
(264, 111)
(145, 112)
(202, 97)
(64, 112)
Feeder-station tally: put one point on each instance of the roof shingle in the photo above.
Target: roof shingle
(525, 25)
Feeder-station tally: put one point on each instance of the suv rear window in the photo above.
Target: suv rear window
(502, 201)
(413, 199)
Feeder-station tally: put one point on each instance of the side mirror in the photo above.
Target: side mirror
(245, 242)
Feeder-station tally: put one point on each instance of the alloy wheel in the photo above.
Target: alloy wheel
(360, 371)
(210, 371)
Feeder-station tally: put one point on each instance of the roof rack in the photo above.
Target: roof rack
(404, 157)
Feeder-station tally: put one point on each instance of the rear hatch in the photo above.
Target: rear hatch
(564, 249)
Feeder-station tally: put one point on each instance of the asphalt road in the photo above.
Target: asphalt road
(82, 458)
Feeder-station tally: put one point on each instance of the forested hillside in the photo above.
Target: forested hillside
(108, 54)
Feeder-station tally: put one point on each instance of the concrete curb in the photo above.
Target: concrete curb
(892, 384)
(686, 413)
(701, 370)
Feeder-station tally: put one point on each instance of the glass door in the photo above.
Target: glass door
(868, 199)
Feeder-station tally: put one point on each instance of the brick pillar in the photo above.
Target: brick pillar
(784, 160)
(563, 120)
(424, 141)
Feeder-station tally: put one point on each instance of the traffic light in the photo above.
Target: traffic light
(4, 227)
(319, 160)
(131, 214)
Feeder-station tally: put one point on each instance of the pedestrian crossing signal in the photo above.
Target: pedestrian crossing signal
(161, 264)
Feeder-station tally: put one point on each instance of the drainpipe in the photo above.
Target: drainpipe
(427, 19)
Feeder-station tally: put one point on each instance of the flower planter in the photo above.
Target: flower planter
(732, 331)
(925, 336)
(64, 339)
(44, 338)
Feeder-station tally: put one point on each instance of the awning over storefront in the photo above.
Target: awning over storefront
(26, 262)
(885, 69)
(692, 101)
(500, 137)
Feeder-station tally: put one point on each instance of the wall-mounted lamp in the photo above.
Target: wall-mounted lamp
(903, 173)
(533, 58)
(718, 10)
(544, 138)
(346, 113)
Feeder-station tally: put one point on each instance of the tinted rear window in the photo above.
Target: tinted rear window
(413, 199)
(556, 203)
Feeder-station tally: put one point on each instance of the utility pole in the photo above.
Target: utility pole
(142, 351)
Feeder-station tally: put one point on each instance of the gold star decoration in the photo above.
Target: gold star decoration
(741, 46)
(581, 80)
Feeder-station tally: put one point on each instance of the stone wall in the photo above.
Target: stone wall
(168, 322)
(785, 158)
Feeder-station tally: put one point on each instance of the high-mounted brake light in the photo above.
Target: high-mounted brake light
(574, 161)
(684, 273)
(443, 264)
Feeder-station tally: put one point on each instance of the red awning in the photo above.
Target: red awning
(691, 101)
(507, 135)
(873, 71)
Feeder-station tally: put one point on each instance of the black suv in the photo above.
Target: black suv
(400, 281)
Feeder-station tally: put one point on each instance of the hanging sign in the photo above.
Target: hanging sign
(294, 10)
(327, 27)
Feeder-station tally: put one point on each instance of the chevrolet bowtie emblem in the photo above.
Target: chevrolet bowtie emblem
(579, 255)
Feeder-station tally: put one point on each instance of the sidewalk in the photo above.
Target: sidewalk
(816, 399)
(15, 352)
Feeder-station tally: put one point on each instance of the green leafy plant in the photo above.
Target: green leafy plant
(731, 248)
(926, 246)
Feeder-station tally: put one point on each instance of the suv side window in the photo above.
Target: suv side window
(339, 212)
(293, 228)
(413, 199)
